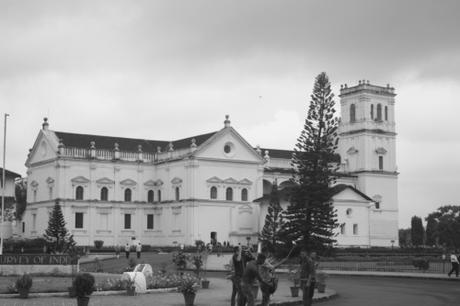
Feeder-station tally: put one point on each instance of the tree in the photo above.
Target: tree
(56, 234)
(311, 216)
(271, 234)
(447, 230)
(430, 231)
(404, 237)
(417, 231)
(20, 193)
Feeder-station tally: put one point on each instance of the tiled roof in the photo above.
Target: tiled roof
(126, 144)
(9, 173)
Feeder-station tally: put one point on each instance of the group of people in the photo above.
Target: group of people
(128, 248)
(248, 269)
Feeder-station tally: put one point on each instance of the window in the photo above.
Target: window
(355, 229)
(177, 194)
(23, 227)
(150, 221)
(127, 221)
(35, 195)
(386, 113)
(380, 162)
(352, 113)
(79, 193)
(349, 212)
(127, 195)
(379, 112)
(159, 195)
(227, 148)
(244, 194)
(150, 196)
(34, 221)
(50, 192)
(104, 194)
(229, 194)
(78, 220)
(377, 205)
(372, 111)
(213, 192)
(342, 229)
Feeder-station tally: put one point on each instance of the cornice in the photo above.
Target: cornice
(369, 131)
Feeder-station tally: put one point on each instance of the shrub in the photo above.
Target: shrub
(84, 284)
(24, 282)
(180, 259)
(98, 244)
(188, 284)
(421, 264)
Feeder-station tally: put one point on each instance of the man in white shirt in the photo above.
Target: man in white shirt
(455, 264)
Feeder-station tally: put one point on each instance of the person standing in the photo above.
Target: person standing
(127, 250)
(250, 275)
(307, 276)
(238, 268)
(455, 264)
(138, 249)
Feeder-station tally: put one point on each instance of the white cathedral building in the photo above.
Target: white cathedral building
(210, 186)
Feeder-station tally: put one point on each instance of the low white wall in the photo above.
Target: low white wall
(34, 269)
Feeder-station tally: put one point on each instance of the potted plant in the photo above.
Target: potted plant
(131, 285)
(294, 277)
(188, 287)
(84, 287)
(23, 285)
(321, 281)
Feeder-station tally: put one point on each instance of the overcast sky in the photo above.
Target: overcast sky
(171, 69)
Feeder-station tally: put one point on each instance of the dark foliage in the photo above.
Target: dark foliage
(311, 216)
(20, 193)
(58, 238)
(84, 284)
(447, 225)
(417, 231)
(272, 235)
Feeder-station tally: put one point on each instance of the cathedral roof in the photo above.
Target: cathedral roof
(341, 187)
(127, 144)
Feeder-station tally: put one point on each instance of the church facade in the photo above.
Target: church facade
(211, 186)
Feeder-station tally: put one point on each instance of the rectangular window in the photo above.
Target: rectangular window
(51, 193)
(355, 229)
(127, 221)
(23, 227)
(34, 221)
(377, 205)
(380, 162)
(35, 195)
(342, 229)
(78, 220)
(150, 221)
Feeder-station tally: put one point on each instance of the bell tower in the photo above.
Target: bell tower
(367, 146)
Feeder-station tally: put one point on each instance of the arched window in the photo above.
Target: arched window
(177, 194)
(386, 113)
(379, 112)
(213, 194)
(159, 195)
(79, 193)
(150, 196)
(127, 195)
(352, 113)
(372, 111)
(104, 194)
(244, 194)
(380, 162)
(229, 194)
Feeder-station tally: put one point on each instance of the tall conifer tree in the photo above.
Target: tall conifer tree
(56, 234)
(271, 234)
(311, 215)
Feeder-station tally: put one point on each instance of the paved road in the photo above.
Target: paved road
(376, 291)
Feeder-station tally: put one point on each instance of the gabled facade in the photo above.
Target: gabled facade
(210, 187)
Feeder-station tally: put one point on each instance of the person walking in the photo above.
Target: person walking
(248, 280)
(307, 276)
(455, 264)
(237, 265)
(138, 249)
(127, 250)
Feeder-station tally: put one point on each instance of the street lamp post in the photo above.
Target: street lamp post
(3, 186)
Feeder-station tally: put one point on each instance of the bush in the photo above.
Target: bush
(98, 244)
(84, 284)
(421, 264)
(24, 282)
(180, 260)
